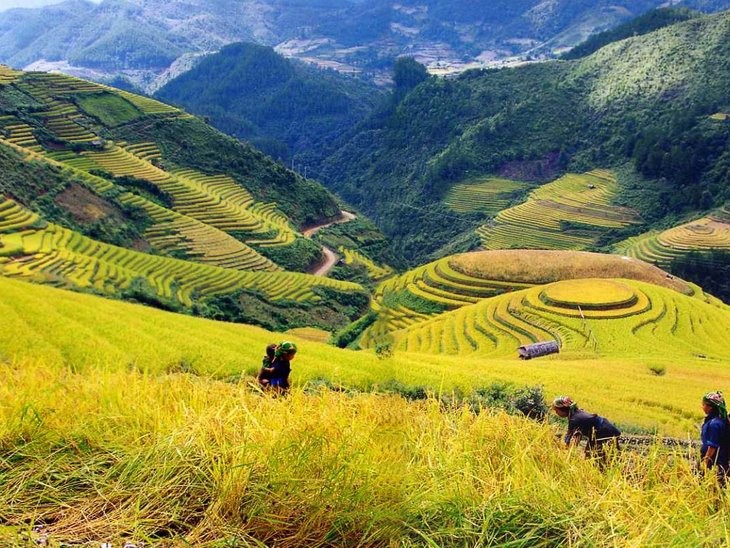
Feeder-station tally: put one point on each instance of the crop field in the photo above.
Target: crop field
(57, 255)
(8, 75)
(19, 134)
(461, 280)
(109, 108)
(569, 213)
(720, 116)
(200, 242)
(587, 317)
(661, 248)
(375, 271)
(490, 195)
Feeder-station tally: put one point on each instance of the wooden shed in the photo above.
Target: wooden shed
(537, 350)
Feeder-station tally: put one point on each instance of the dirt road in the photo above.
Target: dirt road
(330, 258)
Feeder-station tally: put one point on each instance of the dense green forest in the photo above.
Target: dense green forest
(647, 100)
(283, 107)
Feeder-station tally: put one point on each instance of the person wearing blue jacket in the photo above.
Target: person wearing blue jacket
(715, 452)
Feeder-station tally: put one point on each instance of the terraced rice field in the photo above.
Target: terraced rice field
(437, 282)
(14, 217)
(200, 242)
(216, 200)
(56, 255)
(569, 213)
(8, 75)
(376, 272)
(489, 196)
(587, 317)
(721, 116)
(17, 133)
(710, 233)
(462, 280)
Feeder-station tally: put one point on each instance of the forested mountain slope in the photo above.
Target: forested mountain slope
(657, 101)
(282, 107)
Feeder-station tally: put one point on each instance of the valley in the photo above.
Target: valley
(407, 249)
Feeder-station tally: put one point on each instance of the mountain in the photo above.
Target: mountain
(146, 41)
(657, 102)
(281, 106)
(109, 192)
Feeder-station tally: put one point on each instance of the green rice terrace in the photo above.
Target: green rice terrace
(711, 233)
(569, 213)
(484, 195)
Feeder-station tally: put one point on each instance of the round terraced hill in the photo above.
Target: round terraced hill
(462, 280)
(595, 317)
(710, 233)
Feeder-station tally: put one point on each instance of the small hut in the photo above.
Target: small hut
(537, 350)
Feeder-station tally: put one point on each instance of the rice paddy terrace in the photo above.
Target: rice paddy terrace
(211, 220)
(569, 213)
(419, 298)
(587, 317)
(711, 233)
(375, 271)
(53, 254)
(485, 195)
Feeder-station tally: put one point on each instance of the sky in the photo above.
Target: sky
(7, 4)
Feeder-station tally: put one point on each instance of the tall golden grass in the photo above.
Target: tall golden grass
(126, 456)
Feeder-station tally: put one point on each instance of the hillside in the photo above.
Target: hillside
(511, 283)
(602, 111)
(146, 42)
(284, 108)
(167, 442)
(115, 193)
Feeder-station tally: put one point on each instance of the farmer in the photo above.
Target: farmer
(281, 365)
(597, 431)
(267, 371)
(715, 436)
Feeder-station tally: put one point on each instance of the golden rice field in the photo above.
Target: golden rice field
(720, 116)
(461, 280)
(711, 233)
(200, 242)
(375, 271)
(569, 213)
(125, 424)
(8, 75)
(53, 254)
(484, 195)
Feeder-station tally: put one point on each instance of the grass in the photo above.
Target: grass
(120, 423)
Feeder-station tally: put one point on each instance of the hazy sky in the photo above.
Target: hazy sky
(6, 4)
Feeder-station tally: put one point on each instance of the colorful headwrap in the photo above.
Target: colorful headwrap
(285, 348)
(716, 400)
(565, 402)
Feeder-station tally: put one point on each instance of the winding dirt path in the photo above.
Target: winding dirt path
(330, 258)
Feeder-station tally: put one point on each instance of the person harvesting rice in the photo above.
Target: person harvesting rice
(597, 431)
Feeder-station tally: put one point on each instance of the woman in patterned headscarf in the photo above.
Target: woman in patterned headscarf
(715, 450)
(596, 430)
(281, 365)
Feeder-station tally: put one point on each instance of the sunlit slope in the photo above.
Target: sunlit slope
(597, 317)
(49, 253)
(711, 233)
(68, 121)
(465, 279)
(53, 327)
(570, 213)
